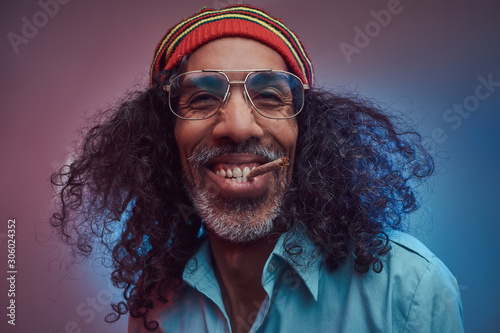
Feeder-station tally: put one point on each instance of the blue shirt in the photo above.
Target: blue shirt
(415, 292)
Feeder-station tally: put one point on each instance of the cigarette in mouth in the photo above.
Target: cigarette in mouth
(268, 167)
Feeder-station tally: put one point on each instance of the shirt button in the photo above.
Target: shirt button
(192, 266)
(272, 266)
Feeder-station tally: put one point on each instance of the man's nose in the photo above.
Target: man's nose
(237, 119)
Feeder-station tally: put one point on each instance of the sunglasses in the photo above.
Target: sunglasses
(198, 95)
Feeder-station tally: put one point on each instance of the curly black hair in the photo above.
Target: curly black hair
(354, 178)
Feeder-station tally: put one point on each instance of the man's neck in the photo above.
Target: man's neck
(238, 268)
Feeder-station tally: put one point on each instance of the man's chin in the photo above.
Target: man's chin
(237, 219)
(239, 205)
(246, 239)
(240, 235)
(240, 226)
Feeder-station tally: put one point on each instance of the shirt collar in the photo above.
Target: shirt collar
(199, 272)
(200, 275)
(306, 264)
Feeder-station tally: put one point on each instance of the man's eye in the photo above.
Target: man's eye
(270, 95)
(203, 100)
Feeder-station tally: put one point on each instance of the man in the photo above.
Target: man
(309, 244)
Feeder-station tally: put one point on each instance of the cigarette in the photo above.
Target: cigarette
(268, 167)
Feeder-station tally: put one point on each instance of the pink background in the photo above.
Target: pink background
(88, 53)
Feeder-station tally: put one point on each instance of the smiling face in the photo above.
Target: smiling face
(214, 151)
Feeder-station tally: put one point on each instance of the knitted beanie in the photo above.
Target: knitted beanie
(245, 21)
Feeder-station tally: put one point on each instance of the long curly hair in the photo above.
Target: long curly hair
(353, 179)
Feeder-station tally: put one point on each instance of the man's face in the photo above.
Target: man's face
(235, 137)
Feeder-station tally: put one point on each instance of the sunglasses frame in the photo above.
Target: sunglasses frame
(227, 94)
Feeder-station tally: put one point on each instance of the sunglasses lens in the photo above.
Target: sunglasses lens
(275, 94)
(197, 95)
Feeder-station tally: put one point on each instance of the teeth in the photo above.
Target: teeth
(235, 174)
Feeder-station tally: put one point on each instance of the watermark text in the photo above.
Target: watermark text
(11, 271)
(31, 26)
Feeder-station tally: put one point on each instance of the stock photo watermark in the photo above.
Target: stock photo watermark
(364, 35)
(11, 271)
(455, 115)
(88, 310)
(31, 25)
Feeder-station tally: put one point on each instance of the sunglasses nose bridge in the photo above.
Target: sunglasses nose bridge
(243, 91)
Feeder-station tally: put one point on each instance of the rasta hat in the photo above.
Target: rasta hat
(245, 21)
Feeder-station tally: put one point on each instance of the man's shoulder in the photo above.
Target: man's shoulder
(408, 268)
(410, 264)
(423, 286)
(409, 246)
(409, 255)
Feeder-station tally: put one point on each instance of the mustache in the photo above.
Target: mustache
(203, 155)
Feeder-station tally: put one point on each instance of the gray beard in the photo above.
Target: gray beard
(235, 219)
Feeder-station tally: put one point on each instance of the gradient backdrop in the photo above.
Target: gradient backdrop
(59, 65)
